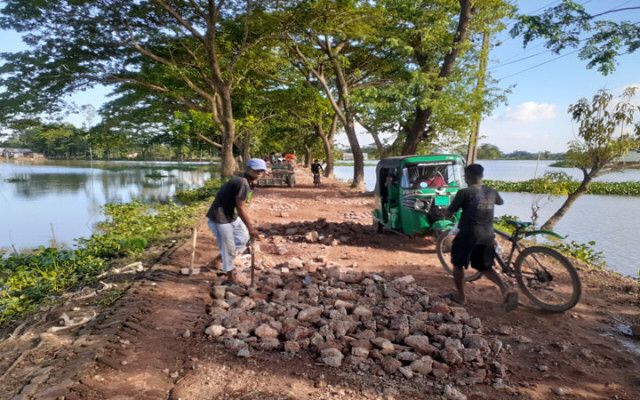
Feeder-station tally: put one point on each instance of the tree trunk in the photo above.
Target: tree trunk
(571, 198)
(246, 147)
(472, 149)
(376, 139)
(419, 129)
(307, 156)
(327, 144)
(416, 131)
(358, 158)
(228, 164)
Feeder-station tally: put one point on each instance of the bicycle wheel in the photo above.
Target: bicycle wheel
(548, 279)
(443, 249)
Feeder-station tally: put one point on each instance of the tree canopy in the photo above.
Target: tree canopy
(254, 76)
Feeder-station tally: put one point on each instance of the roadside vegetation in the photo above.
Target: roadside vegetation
(29, 280)
(629, 188)
(585, 253)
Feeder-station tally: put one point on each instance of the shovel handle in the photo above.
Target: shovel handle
(253, 259)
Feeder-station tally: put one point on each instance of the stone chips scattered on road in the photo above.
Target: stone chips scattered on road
(349, 319)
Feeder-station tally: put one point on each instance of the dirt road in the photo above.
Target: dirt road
(150, 343)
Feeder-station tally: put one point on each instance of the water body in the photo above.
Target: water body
(69, 195)
(610, 221)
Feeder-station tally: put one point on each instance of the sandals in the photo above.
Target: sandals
(455, 297)
(510, 301)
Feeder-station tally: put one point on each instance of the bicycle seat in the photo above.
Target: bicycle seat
(519, 224)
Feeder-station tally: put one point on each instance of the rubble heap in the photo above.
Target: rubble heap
(364, 322)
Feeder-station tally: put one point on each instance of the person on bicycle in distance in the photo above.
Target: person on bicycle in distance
(475, 242)
(316, 168)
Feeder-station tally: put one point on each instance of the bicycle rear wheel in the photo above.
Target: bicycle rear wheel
(443, 249)
(548, 278)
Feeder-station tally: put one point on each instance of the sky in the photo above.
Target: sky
(535, 116)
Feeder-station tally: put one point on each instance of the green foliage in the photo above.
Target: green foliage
(561, 164)
(500, 223)
(630, 188)
(27, 280)
(565, 25)
(204, 193)
(131, 227)
(488, 151)
(606, 131)
(583, 252)
(580, 251)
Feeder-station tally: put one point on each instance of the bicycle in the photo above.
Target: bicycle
(316, 179)
(544, 275)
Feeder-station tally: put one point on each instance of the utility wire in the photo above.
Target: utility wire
(511, 60)
(549, 50)
(540, 64)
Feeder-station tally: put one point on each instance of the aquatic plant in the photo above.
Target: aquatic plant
(30, 279)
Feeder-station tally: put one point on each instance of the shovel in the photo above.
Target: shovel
(252, 248)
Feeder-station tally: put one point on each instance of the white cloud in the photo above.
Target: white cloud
(530, 111)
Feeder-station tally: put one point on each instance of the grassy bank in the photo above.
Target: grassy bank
(537, 186)
(28, 280)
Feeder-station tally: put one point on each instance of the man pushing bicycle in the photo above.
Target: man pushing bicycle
(475, 242)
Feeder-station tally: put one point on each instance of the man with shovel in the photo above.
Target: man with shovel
(229, 218)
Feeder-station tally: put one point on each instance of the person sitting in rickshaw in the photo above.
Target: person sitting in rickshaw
(436, 179)
(428, 177)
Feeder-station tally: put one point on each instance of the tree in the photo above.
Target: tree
(434, 47)
(488, 151)
(606, 132)
(334, 45)
(561, 27)
(191, 52)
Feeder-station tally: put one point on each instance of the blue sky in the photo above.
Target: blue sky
(535, 116)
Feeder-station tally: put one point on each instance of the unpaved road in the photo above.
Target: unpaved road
(150, 343)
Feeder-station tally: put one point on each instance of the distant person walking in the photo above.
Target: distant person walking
(475, 242)
(229, 218)
(316, 169)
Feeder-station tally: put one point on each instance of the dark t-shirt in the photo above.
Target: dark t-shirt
(316, 167)
(223, 209)
(477, 204)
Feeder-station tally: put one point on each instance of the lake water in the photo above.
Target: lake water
(69, 196)
(610, 221)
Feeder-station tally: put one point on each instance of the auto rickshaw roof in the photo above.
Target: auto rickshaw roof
(394, 162)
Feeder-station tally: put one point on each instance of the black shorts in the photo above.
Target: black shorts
(465, 251)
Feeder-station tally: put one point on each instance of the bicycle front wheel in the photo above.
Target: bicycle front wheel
(548, 278)
(443, 249)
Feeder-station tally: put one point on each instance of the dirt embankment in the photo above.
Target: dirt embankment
(330, 320)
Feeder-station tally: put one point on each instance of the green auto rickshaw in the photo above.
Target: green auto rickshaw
(413, 192)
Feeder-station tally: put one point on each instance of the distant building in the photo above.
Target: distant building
(349, 156)
(15, 153)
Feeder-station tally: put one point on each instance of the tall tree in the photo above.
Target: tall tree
(193, 52)
(336, 44)
(436, 46)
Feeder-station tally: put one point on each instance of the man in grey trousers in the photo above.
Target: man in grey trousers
(229, 219)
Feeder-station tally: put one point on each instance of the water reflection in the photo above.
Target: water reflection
(69, 196)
